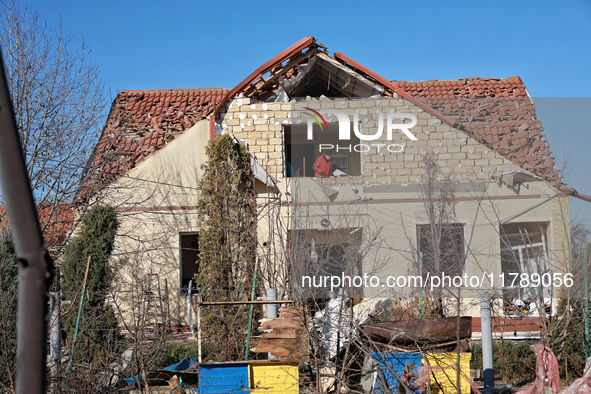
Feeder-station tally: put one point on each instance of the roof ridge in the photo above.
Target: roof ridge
(458, 79)
(171, 90)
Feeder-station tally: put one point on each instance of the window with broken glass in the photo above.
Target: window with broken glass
(326, 253)
(524, 252)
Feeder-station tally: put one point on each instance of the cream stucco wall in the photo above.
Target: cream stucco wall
(157, 200)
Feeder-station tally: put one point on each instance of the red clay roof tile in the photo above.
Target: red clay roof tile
(56, 222)
(498, 107)
(136, 119)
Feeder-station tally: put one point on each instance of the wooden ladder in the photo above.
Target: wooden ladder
(151, 302)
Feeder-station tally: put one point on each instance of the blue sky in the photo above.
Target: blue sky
(185, 44)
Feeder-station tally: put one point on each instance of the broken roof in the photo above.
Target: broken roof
(498, 113)
(139, 123)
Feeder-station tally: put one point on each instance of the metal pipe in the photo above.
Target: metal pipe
(254, 283)
(421, 287)
(271, 311)
(78, 321)
(272, 308)
(35, 265)
(487, 345)
(189, 298)
(55, 340)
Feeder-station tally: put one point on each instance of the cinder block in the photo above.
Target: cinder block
(241, 135)
(325, 105)
(397, 164)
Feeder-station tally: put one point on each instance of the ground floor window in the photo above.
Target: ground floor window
(326, 253)
(441, 249)
(189, 259)
(524, 251)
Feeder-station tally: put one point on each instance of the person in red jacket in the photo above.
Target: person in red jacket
(323, 165)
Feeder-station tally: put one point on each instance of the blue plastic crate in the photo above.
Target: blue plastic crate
(223, 378)
(397, 362)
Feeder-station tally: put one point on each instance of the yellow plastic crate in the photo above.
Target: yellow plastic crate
(274, 377)
(447, 378)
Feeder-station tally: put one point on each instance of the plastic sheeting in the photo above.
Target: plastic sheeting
(546, 367)
(180, 366)
(336, 323)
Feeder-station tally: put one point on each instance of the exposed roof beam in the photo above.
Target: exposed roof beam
(352, 74)
(267, 66)
(262, 85)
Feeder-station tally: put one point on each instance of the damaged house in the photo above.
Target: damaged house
(498, 200)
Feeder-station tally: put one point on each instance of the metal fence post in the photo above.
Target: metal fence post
(35, 265)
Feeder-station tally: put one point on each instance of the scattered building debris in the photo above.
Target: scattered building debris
(288, 338)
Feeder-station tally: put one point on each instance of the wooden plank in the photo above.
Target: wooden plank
(285, 333)
(294, 62)
(270, 324)
(290, 315)
(246, 302)
(291, 344)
